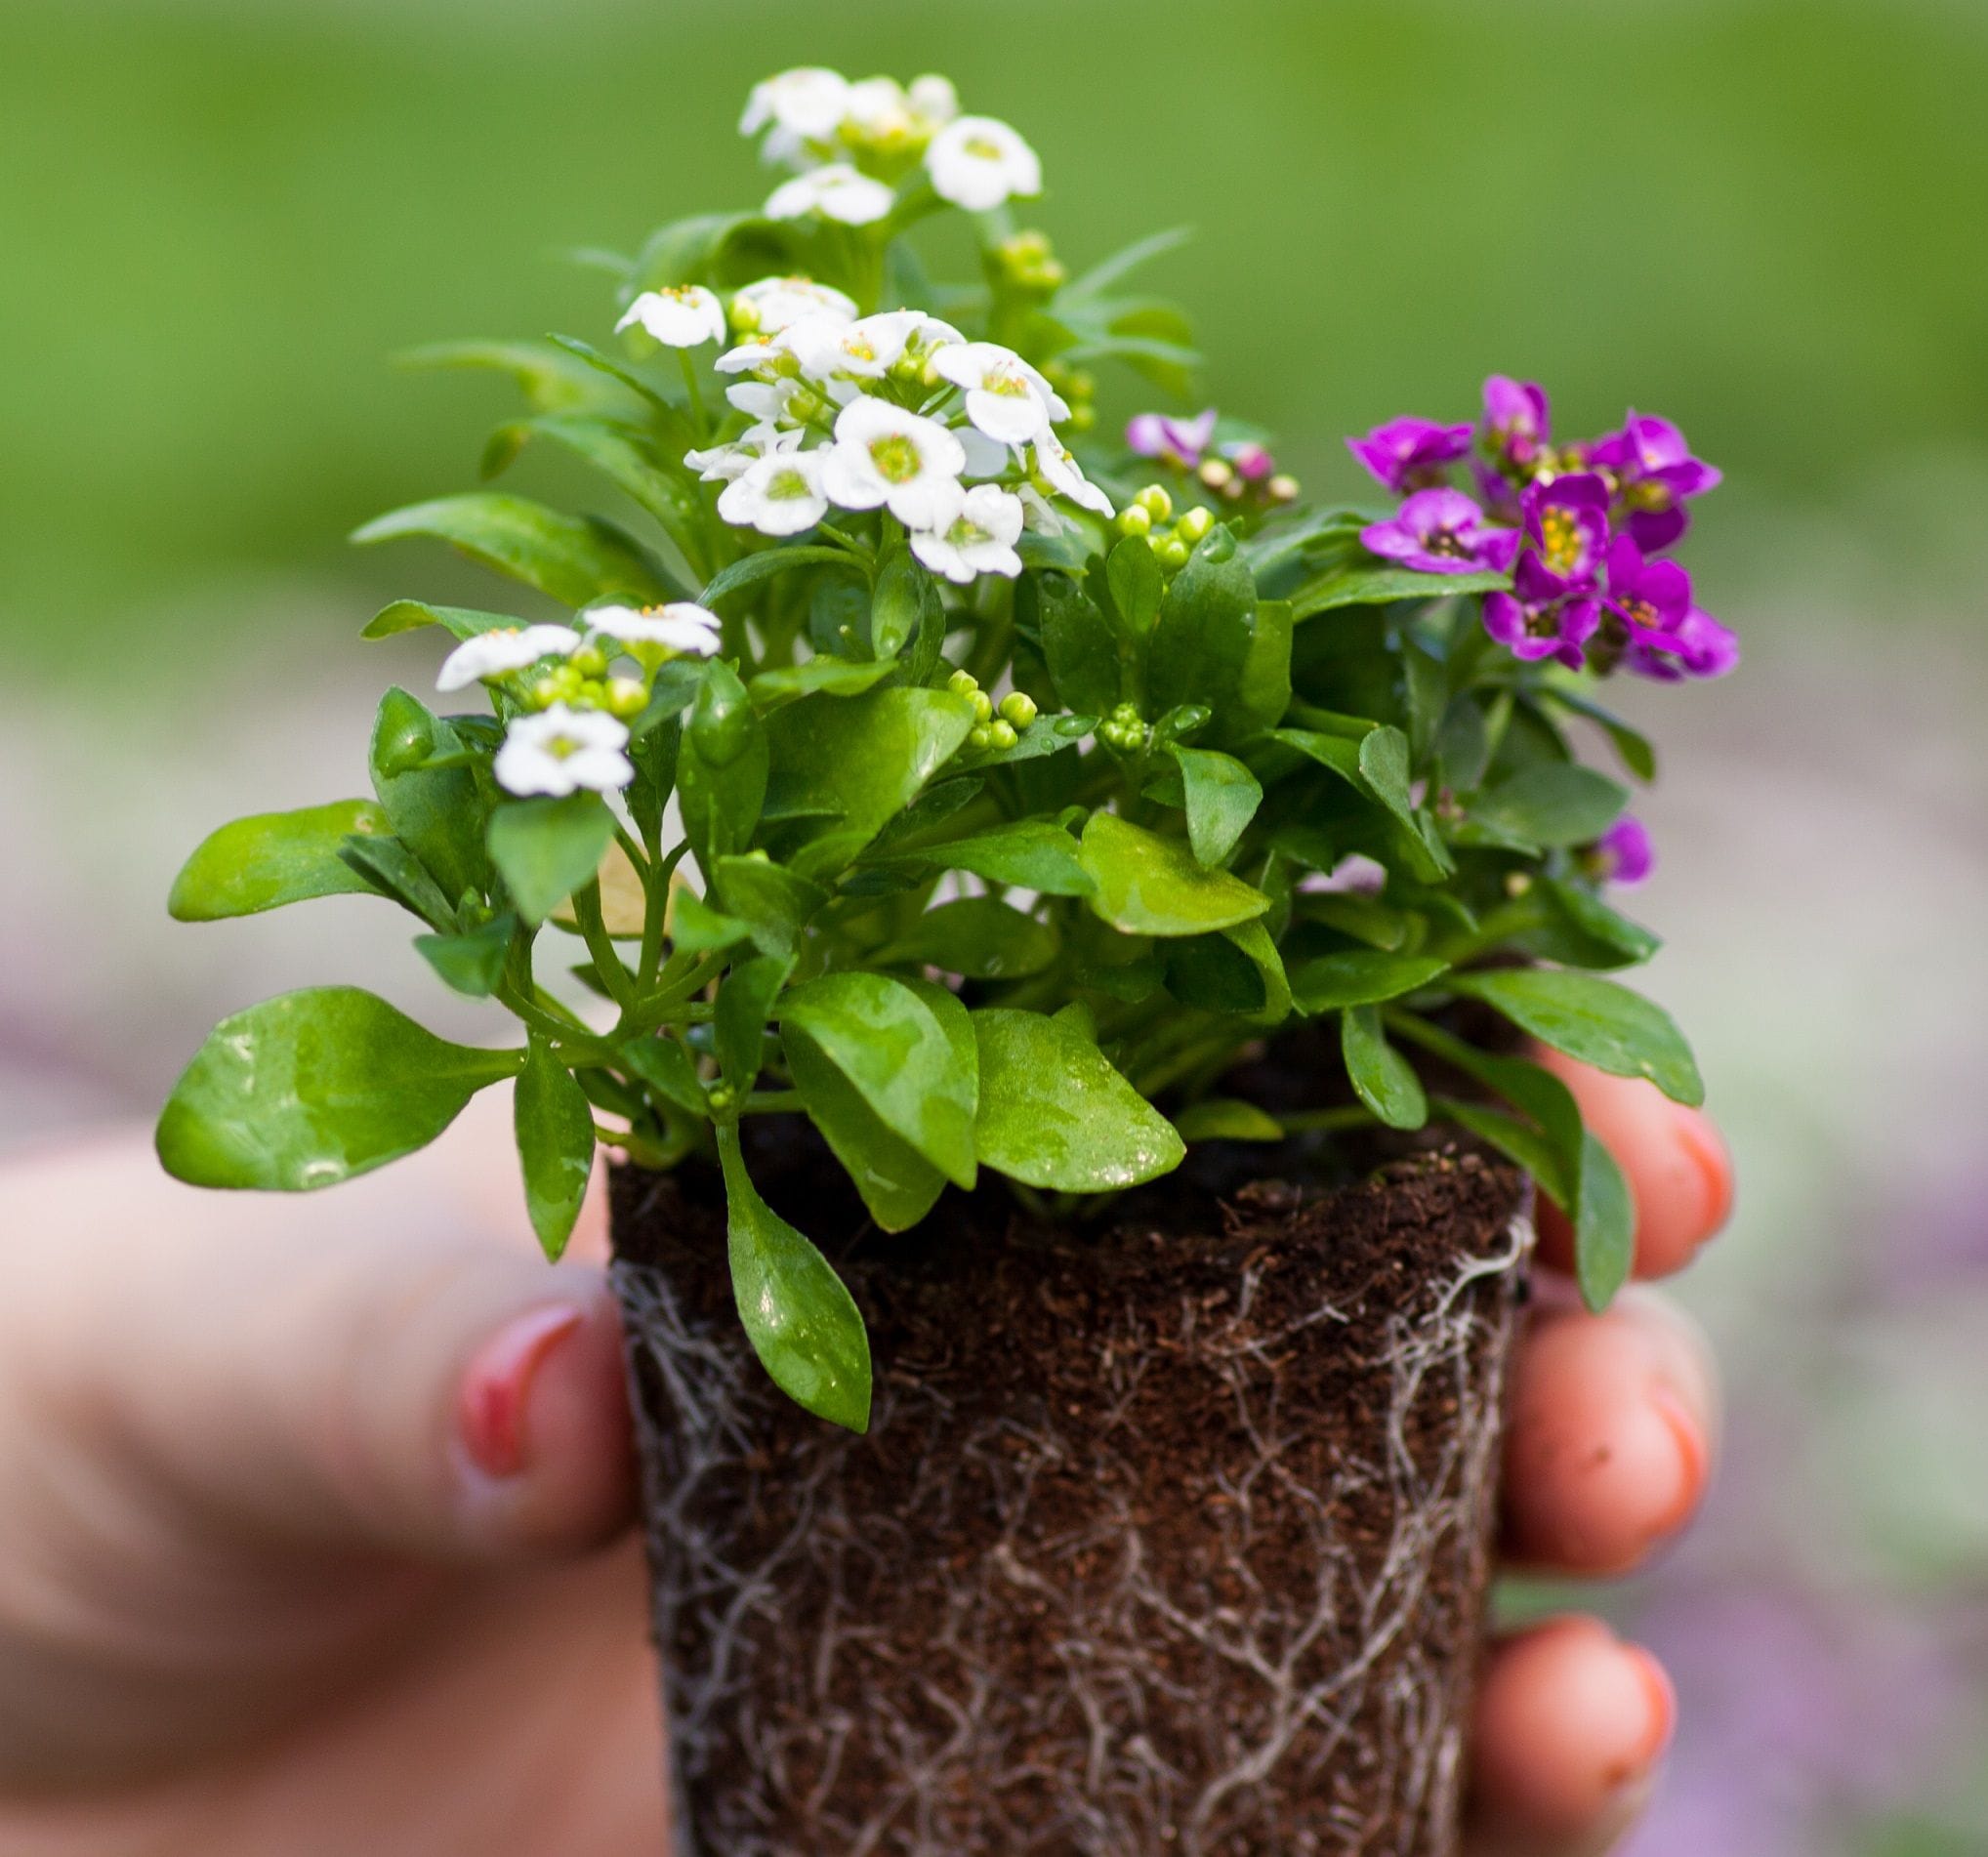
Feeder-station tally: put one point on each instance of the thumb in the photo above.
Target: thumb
(359, 1370)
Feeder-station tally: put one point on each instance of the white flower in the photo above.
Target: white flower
(878, 109)
(561, 750)
(777, 302)
(1065, 477)
(836, 192)
(723, 463)
(1006, 398)
(807, 102)
(762, 401)
(974, 534)
(682, 625)
(827, 348)
(679, 315)
(977, 162)
(498, 654)
(779, 495)
(884, 454)
(934, 99)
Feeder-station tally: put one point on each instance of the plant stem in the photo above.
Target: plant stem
(696, 387)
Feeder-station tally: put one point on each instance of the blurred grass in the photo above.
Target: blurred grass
(1761, 217)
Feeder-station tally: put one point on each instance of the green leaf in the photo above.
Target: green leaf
(1256, 943)
(576, 561)
(802, 1320)
(460, 622)
(1382, 1078)
(666, 1067)
(1367, 584)
(721, 768)
(555, 1128)
(858, 760)
(1031, 854)
(473, 960)
(897, 1183)
(312, 1087)
(1100, 278)
(1595, 1021)
(550, 377)
(1217, 645)
(1384, 769)
(1554, 805)
(904, 591)
(1223, 797)
(891, 1045)
(1595, 918)
(437, 813)
(750, 569)
(1053, 1113)
(621, 453)
(1227, 1119)
(745, 1002)
(272, 858)
(1637, 754)
(978, 936)
(1604, 1228)
(1361, 977)
(1212, 974)
(1150, 886)
(826, 676)
(389, 869)
(776, 903)
(1137, 584)
(547, 849)
(1078, 644)
(695, 927)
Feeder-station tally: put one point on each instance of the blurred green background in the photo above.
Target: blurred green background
(1761, 217)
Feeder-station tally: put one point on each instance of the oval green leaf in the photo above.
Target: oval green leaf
(273, 858)
(1150, 886)
(555, 1130)
(312, 1087)
(546, 848)
(1382, 1078)
(1595, 1021)
(1053, 1113)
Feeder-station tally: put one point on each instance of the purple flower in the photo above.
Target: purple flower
(1541, 618)
(1566, 529)
(1442, 533)
(1180, 442)
(1252, 462)
(1517, 420)
(1669, 638)
(1410, 454)
(1700, 648)
(1623, 852)
(1655, 473)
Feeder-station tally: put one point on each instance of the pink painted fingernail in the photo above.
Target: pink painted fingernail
(1663, 1710)
(1694, 1459)
(497, 1388)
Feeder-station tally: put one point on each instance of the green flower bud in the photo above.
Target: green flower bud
(743, 316)
(983, 704)
(590, 661)
(627, 697)
(544, 692)
(962, 684)
(593, 693)
(1001, 735)
(981, 736)
(1018, 709)
(1283, 488)
(720, 1098)
(807, 404)
(1173, 553)
(1083, 416)
(568, 682)
(1156, 503)
(784, 366)
(1218, 474)
(1194, 525)
(1135, 519)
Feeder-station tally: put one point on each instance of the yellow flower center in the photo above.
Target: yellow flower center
(1562, 541)
(896, 458)
(982, 149)
(787, 485)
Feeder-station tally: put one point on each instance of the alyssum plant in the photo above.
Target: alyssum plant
(1025, 795)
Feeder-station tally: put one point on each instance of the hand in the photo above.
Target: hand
(311, 1518)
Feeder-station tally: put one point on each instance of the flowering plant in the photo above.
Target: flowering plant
(1028, 793)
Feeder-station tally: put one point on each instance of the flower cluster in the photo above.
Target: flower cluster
(897, 411)
(569, 708)
(851, 145)
(1576, 526)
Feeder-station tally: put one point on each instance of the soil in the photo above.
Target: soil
(1171, 1534)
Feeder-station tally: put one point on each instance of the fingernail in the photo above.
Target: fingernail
(497, 1388)
(1706, 1149)
(1662, 1699)
(1694, 1460)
